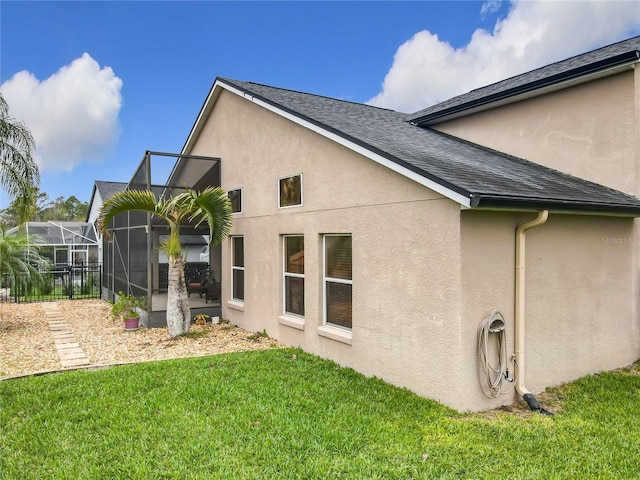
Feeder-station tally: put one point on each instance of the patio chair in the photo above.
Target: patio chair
(194, 284)
(204, 283)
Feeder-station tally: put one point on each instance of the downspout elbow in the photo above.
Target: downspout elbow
(542, 217)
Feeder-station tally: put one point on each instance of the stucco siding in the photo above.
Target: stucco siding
(580, 299)
(579, 306)
(488, 262)
(406, 246)
(425, 273)
(583, 130)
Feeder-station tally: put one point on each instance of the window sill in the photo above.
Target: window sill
(293, 322)
(336, 334)
(235, 305)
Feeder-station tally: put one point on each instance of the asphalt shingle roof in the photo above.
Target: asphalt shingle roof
(486, 177)
(579, 65)
(109, 189)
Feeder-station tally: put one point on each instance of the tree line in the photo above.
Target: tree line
(66, 209)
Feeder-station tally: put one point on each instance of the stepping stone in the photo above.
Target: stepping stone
(60, 328)
(75, 363)
(62, 335)
(72, 355)
(62, 339)
(69, 350)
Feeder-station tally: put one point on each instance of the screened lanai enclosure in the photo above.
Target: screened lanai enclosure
(133, 260)
(63, 243)
(73, 269)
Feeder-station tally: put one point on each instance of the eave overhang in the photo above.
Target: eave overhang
(466, 199)
(497, 202)
(583, 74)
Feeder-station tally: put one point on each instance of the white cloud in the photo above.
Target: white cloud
(491, 6)
(427, 70)
(73, 114)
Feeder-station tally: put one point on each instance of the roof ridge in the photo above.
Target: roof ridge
(110, 181)
(264, 85)
(564, 60)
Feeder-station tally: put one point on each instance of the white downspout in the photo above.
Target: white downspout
(519, 308)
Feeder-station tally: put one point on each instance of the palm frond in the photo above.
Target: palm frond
(19, 174)
(214, 208)
(181, 205)
(121, 202)
(21, 259)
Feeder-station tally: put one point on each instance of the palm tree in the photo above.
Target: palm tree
(19, 174)
(21, 259)
(210, 206)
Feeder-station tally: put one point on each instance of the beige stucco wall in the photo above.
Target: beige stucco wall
(579, 304)
(424, 273)
(582, 130)
(591, 131)
(406, 273)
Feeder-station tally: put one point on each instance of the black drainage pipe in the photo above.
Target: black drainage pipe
(534, 405)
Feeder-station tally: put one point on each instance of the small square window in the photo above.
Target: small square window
(290, 191)
(235, 197)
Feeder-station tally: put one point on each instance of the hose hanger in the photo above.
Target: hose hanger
(494, 375)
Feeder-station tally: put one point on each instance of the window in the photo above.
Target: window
(294, 275)
(337, 280)
(235, 197)
(79, 255)
(290, 191)
(237, 268)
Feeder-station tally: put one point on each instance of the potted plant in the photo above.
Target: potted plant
(128, 308)
(201, 318)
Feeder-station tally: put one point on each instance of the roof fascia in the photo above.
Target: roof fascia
(557, 82)
(207, 106)
(556, 206)
(463, 200)
(556, 211)
(93, 196)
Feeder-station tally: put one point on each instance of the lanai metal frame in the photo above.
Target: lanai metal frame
(131, 261)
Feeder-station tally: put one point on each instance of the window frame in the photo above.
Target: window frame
(326, 280)
(236, 268)
(286, 275)
(280, 205)
(241, 200)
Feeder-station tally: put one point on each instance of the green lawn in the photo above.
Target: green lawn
(285, 414)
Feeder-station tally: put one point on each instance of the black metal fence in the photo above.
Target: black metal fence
(60, 283)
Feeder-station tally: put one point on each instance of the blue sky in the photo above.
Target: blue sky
(99, 83)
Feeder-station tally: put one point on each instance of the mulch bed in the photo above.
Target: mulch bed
(27, 347)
